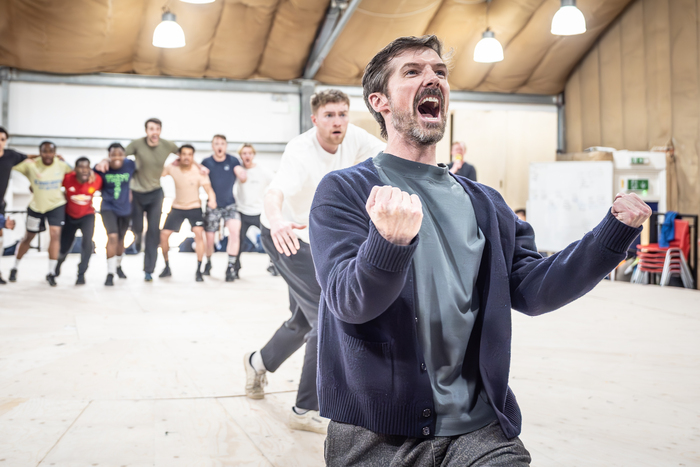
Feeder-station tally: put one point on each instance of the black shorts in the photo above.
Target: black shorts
(115, 224)
(177, 216)
(35, 221)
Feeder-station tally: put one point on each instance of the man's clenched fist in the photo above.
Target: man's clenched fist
(630, 209)
(396, 214)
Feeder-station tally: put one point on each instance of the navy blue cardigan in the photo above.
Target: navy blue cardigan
(370, 363)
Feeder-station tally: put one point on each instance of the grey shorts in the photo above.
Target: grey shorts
(212, 217)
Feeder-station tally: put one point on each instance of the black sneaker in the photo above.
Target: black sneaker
(120, 273)
(207, 269)
(2, 281)
(81, 279)
(230, 273)
(166, 272)
(148, 277)
(51, 279)
(198, 277)
(13, 275)
(110, 280)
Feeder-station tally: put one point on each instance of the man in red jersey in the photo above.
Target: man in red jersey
(80, 186)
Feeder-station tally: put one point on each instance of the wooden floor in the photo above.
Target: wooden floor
(150, 374)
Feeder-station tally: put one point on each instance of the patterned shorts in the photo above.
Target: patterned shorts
(212, 217)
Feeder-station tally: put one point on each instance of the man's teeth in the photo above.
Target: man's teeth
(430, 99)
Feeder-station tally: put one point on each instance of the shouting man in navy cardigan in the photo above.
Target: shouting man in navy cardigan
(419, 271)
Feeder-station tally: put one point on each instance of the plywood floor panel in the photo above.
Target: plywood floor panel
(90, 375)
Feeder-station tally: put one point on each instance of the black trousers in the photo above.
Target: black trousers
(246, 223)
(86, 225)
(150, 203)
(304, 297)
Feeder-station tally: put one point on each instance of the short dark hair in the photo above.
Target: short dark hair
(3, 130)
(153, 120)
(219, 136)
(82, 159)
(377, 71)
(521, 211)
(186, 146)
(328, 96)
(47, 142)
(115, 146)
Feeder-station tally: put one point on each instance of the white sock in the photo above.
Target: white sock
(52, 266)
(17, 260)
(112, 265)
(119, 260)
(257, 363)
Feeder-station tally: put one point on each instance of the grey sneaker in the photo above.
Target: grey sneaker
(310, 421)
(254, 381)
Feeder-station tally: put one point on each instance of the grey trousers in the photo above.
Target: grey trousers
(304, 296)
(350, 445)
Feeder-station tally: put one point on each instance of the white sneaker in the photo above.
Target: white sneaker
(254, 381)
(310, 421)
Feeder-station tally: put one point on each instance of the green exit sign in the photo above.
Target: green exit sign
(638, 185)
(638, 161)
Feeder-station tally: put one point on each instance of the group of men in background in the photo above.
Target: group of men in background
(62, 197)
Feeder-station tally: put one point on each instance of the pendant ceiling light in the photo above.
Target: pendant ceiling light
(169, 34)
(488, 49)
(568, 20)
(197, 1)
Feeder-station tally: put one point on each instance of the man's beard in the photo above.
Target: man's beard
(406, 123)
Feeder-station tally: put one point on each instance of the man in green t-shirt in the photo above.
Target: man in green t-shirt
(150, 154)
(47, 205)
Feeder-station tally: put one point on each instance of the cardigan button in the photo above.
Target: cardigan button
(426, 413)
(423, 367)
(426, 431)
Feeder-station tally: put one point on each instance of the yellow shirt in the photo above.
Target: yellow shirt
(46, 182)
(187, 185)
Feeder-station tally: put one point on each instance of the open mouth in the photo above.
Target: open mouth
(429, 107)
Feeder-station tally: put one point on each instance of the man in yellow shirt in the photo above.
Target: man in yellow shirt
(186, 205)
(48, 204)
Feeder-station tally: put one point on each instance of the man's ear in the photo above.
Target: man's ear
(313, 119)
(378, 101)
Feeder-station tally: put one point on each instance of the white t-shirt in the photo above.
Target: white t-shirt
(249, 195)
(303, 165)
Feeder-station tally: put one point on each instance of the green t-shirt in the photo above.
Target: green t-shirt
(149, 163)
(46, 181)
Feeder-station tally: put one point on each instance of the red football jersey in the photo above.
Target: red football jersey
(79, 196)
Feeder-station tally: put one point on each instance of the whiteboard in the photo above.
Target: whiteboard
(566, 200)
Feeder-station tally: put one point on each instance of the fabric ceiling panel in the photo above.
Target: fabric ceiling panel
(199, 22)
(386, 20)
(506, 19)
(549, 75)
(240, 38)
(68, 37)
(291, 38)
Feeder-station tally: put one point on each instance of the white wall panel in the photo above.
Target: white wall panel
(187, 115)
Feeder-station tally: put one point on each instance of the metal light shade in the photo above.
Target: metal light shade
(169, 34)
(569, 20)
(488, 49)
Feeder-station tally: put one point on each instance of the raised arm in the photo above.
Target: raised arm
(362, 252)
(539, 285)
